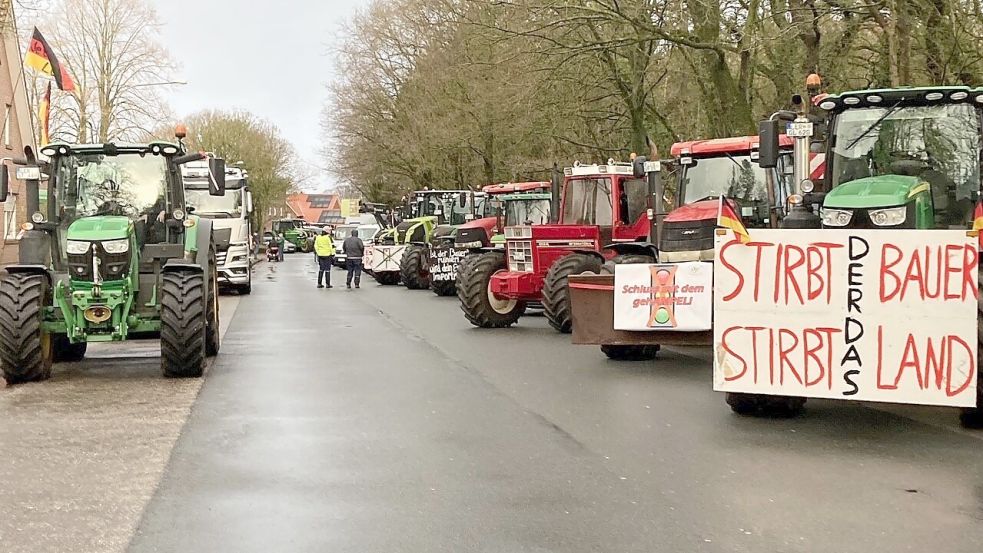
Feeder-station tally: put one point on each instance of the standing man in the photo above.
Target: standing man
(354, 249)
(324, 250)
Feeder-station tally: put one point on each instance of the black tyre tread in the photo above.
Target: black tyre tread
(23, 355)
(386, 278)
(413, 267)
(631, 353)
(213, 338)
(472, 289)
(781, 407)
(627, 259)
(444, 288)
(183, 324)
(556, 294)
(67, 352)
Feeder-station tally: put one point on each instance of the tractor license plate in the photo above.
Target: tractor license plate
(799, 129)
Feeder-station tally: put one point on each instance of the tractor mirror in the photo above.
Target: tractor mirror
(638, 166)
(188, 158)
(4, 182)
(216, 176)
(768, 144)
(249, 201)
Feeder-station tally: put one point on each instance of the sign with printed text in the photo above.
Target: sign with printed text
(865, 315)
(444, 262)
(676, 296)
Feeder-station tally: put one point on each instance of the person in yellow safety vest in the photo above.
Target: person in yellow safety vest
(324, 250)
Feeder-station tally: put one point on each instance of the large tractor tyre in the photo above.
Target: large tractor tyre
(26, 349)
(184, 320)
(386, 278)
(556, 291)
(444, 288)
(630, 353)
(413, 267)
(765, 406)
(305, 246)
(213, 337)
(627, 259)
(481, 308)
(973, 417)
(66, 351)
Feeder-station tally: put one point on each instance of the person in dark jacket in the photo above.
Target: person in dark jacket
(354, 250)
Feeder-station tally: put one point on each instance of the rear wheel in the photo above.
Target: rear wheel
(556, 290)
(481, 308)
(630, 353)
(213, 338)
(386, 278)
(184, 321)
(413, 267)
(444, 288)
(67, 352)
(26, 349)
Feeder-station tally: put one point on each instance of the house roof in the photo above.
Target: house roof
(313, 207)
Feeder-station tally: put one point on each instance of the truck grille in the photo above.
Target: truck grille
(220, 258)
(520, 256)
(685, 236)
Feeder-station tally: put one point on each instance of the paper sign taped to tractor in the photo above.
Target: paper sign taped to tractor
(865, 315)
(677, 296)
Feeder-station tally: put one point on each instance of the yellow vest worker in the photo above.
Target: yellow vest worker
(324, 250)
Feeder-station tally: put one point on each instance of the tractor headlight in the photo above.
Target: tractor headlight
(77, 247)
(837, 217)
(115, 247)
(889, 217)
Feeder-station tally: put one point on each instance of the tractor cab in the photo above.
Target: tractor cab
(505, 204)
(903, 158)
(609, 198)
(709, 169)
(450, 207)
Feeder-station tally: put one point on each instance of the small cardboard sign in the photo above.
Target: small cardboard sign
(444, 262)
(666, 297)
(865, 315)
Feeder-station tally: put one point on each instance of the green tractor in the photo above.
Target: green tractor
(295, 231)
(114, 255)
(907, 158)
(447, 211)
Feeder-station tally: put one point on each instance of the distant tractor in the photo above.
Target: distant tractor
(599, 204)
(506, 204)
(115, 254)
(296, 232)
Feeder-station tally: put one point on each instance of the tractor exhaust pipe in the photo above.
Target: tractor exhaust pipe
(556, 181)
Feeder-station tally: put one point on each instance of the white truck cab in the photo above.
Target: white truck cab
(231, 217)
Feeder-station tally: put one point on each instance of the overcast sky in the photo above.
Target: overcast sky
(273, 61)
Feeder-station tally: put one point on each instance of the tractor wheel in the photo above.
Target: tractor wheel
(413, 267)
(67, 352)
(630, 353)
(556, 293)
(184, 324)
(26, 349)
(973, 417)
(444, 288)
(305, 246)
(608, 267)
(480, 306)
(386, 278)
(213, 338)
(783, 407)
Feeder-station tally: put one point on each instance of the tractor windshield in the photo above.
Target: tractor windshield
(939, 143)
(131, 185)
(588, 202)
(734, 176)
(527, 212)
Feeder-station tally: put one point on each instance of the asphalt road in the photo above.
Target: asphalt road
(378, 420)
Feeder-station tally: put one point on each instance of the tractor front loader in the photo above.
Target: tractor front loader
(115, 255)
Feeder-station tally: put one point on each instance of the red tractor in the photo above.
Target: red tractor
(600, 205)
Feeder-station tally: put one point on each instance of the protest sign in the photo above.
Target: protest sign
(676, 296)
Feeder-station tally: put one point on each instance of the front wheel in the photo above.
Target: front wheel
(556, 290)
(630, 353)
(444, 288)
(386, 278)
(213, 338)
(184, 320)
(480, 306)
(26, 349)
(767, 406)
(973, 417)
(413, 267)
(66, 351)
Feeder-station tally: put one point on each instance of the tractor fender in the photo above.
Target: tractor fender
(634, 248)
(592, 253)
(34, 248)
(201, 236)
(25, 269)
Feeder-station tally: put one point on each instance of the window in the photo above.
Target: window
(588, 202)
(634, 201)
(6, 128)
(319, 201)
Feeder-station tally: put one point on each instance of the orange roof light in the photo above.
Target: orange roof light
(814, 81)
(180, 131)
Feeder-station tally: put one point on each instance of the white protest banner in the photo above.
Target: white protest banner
(865, 315)
(444, 262)
(676, 296)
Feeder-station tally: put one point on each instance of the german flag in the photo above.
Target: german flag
(44, 116)
(42, 58)
(727, 218)
(978, 217)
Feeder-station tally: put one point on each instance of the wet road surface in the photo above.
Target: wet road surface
(378, 420)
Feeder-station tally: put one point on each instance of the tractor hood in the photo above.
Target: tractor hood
(93, 229)
(873, 192)
(699, 211)
(486, 223)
